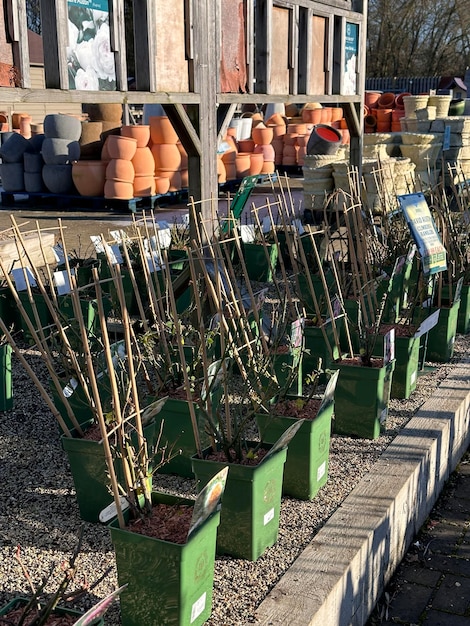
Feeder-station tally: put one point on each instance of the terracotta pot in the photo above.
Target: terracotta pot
(268, 167)
(346, 136)
(105, 112)
(275, 120)
(370, 123)
(166, 156)
(161, 130)
(16, 118)
(230, 171)
(221, 171)
(184, 156)
(290, 139)
(242, 164)
(289, 161)
(399, 104)
(383, 127)
(289, 151)
(246, 145)
(90, 141)
(140, 132)
(297, 129)
(386, 101)
(120, 170)
(279, 130)
(336, 114)
(256, 163)
(371, 98)
(120, 147)
(143, 162)
(291, 110)
(118, 190)
(162, 185)
(144, 185)
(174, 178)
(89, 177)
(266, 150)
(262, 135)
(384, 115)
(326, 113)
(25, 126)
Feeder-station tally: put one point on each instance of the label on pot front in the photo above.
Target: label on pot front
(268, 516)
(413, 377)
(198, 607)
(321, 471)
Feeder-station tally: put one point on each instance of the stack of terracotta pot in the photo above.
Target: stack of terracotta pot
(167, 153)
(142, 161)
(263, 135)
(120, 174)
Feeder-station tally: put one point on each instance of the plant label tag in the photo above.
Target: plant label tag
(116, 235)
(321, 471)
(22, 277)
(70, 387)
(198, 607)
(268, 516)
(164, 238)
(153, 261)
(97, 243)
(62, 282)
(298, 225)
(110, 512)
(59, 253)
(413, 377)
(267, 224)
(114, 254)
(247, 232)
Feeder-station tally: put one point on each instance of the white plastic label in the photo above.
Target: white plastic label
(198, 607)
(268, 516)
(413, 377)
(321, 471)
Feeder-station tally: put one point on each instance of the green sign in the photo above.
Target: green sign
(424, 232)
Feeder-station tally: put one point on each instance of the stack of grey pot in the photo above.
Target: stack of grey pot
(33, 163)
(60, 149)
(12, 168)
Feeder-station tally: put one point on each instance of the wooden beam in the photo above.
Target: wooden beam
(144, 45)
(19, 34)
(118, 42)
(54, 20)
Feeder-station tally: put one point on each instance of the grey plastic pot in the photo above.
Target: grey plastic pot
(57, 151)
(12, 176)
(58, 178)
(35, 143)
(33, 182)
(61, 126)
(324, 139)
(13, 149)
(33, 162)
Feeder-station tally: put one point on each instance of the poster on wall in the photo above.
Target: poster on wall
(424, 232)
(351, 47)
(90, 59)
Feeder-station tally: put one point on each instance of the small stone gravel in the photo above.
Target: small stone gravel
(38, 510)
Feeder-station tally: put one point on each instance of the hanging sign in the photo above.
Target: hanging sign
(424, 232)
(350, 70)
(90, 58)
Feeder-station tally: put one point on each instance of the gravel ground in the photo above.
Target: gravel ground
(38, 510)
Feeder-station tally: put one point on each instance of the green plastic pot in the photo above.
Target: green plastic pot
(319, 290)
(168, 583)
(258, 267)
(441, 338)
(251, 503)
(8, 310)
(90, 472)
(44, 315)
(177, 433)
(317, 355)
(306, 467)
(22, 601)
(6, 384)
(463, 319)
(361, 400)
(405, 376)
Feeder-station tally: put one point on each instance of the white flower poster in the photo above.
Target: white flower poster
(90, 59)
(349, 82)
